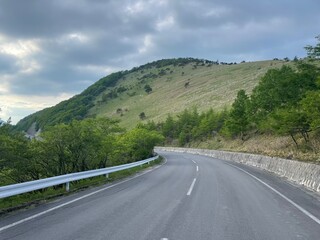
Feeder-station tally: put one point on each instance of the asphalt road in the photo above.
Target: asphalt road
(190, 197)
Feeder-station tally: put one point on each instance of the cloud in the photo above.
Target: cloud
(7, 64)
(52, 47)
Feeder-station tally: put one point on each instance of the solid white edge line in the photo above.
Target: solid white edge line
(197, 168)
(191, 187)
(314, 218)
(77, 199)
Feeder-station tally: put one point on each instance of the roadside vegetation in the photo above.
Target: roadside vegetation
(284, 105)
(67, 148)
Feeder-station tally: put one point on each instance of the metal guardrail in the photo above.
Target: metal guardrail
(15, 189)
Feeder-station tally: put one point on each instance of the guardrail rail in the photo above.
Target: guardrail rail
(15, 189)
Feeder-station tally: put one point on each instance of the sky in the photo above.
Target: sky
(52, 50)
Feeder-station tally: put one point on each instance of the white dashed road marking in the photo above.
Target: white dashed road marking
(191, 187)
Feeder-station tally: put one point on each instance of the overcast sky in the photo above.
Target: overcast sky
(51, 50)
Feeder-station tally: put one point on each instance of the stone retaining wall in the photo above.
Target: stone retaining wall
(306, 174)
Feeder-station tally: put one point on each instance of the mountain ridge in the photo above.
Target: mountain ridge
(176, 84)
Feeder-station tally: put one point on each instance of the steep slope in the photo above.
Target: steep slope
(76, 107)
(176, 84)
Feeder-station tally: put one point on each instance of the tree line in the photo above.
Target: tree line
(66, 148)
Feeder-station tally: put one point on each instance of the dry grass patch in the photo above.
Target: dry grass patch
(269, 145)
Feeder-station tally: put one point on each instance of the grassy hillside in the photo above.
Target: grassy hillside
(176, 84)
(178, 87)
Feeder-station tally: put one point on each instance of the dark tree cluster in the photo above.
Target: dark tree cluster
(147, 88)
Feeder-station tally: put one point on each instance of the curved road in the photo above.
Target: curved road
(190, 197)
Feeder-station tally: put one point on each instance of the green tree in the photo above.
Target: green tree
(273, 90)
(16, 164)
(238, 123)
(311, 106)
(209, 124)
(78, 146)
(281, 88)
(184, 136)
(169, 128)
(147, 88)
(137, 144)
(314, 51)
(289, 121)
(142, 116)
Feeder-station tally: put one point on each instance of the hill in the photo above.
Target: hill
(175, 84)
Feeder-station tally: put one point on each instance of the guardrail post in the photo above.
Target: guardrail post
(107, 175)
(67, 186)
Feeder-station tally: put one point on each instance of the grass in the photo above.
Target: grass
(214, 87)
(28, 200)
